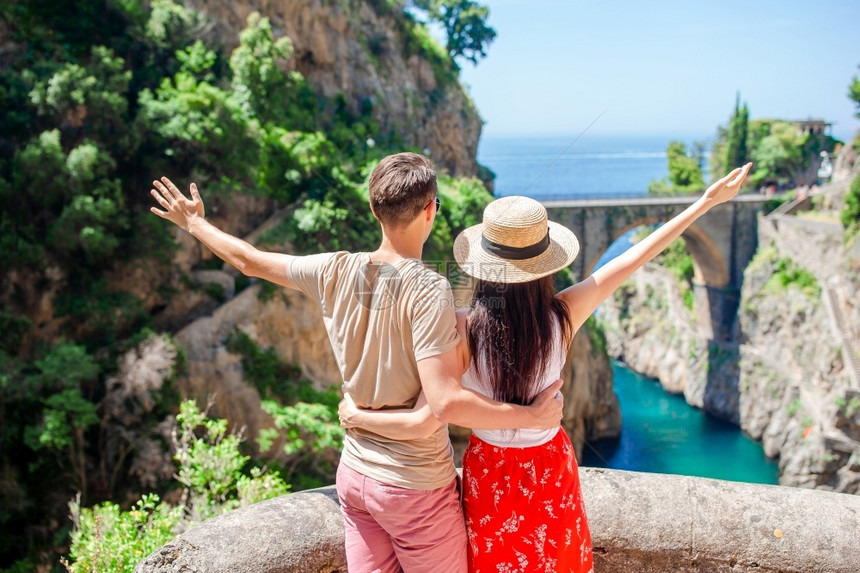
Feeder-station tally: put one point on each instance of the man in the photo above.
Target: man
(392, 326)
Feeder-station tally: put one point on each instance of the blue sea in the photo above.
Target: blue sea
(569, 167)
(660, 433)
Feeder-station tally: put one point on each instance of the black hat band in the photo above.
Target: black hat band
(515, 253)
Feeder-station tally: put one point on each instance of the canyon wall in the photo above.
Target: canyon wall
(363, 50)
(789, 380)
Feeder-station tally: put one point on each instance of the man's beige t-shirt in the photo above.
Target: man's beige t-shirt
(381, 320)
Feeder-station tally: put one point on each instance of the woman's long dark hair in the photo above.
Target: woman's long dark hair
(511, 332)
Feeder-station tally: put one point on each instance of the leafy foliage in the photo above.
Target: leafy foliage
(787, 275)
(685, 173)
(779, 150)
(101, 96)
(106, 538)
(678, 260)
(779, 155)
(851, 211)
(87, 100)
(463, 202)
(215, 478)
(736, 137)
(305, 419)
(465, 24)
(263, 368)
(261, 84)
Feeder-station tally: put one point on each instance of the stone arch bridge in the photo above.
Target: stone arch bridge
(721, 243)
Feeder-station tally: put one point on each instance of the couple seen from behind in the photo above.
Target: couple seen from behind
(411, 363)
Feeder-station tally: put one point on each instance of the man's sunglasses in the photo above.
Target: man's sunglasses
(438, 203)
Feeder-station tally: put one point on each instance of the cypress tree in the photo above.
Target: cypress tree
(736, 138)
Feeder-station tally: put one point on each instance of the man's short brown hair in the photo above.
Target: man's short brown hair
(400, 187)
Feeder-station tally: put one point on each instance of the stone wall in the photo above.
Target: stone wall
(639, 522)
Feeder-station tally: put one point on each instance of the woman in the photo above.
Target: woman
(522, 499)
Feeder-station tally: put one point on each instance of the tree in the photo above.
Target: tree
(67, 414)
(736, 137)
(854, 93)
(851, 211)
(465, 24)
(685, 171)
(261, 83)
(780, 155)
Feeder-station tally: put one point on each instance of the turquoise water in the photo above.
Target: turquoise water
(662, 433)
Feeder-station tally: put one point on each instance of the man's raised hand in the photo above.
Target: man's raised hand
(177, 208)
(547, 407)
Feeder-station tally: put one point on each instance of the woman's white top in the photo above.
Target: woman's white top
(522, 438)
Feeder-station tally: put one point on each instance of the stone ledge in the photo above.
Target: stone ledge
(639, 522)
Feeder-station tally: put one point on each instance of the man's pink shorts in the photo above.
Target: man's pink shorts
(393, 529)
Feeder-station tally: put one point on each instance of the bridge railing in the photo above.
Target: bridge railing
(610, 200)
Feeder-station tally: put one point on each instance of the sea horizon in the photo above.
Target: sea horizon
(568, 166)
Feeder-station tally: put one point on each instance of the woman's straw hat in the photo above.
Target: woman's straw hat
(515, 243)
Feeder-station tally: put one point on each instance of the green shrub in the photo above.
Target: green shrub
(596, 335)
(215, 478)
(106, 538)
(851, 211)
(263, 368)
(685, 173)
(306, 417)
(789, 275)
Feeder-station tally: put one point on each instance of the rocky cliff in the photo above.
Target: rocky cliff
(789, 379)
(366, 51)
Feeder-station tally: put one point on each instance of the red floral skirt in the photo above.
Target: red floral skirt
(524, 509)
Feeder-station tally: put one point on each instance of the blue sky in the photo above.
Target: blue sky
(664, 67)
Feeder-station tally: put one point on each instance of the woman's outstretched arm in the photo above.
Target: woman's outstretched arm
(405, 424)
(584, 297)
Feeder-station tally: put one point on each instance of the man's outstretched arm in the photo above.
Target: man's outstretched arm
(189, 215)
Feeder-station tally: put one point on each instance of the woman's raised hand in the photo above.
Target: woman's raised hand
(178, 209)
(726, 188)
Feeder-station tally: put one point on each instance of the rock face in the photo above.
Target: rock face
(795, 384)
(285, 320)
(639, 522)
(648, 327)
(591, 409)
(359, 49)
(788, 381)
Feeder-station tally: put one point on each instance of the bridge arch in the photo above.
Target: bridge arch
(721, 243)
(709, 265)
